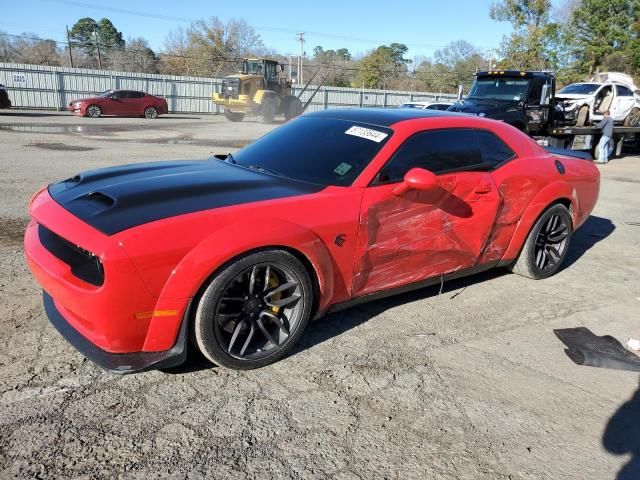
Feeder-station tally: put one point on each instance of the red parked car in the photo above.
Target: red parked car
(240, 251)
(123, 103)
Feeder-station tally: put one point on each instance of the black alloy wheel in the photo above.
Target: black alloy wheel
(547, 244)
(551, 243)
(254, 311)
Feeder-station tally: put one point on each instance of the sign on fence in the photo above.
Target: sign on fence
(19, 79)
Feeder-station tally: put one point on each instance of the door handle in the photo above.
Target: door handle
(483, 188)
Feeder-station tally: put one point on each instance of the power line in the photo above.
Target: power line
(221, 59)
(174, 18)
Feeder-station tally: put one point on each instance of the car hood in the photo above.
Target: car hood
(571, 96)
(115, 199)
(89, 99)
(490, 107)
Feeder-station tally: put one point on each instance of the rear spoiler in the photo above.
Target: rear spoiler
(569, 153)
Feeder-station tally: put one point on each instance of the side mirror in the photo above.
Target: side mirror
(416, 179)
(545, 98)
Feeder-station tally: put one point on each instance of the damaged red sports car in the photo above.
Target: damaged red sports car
(237, 253)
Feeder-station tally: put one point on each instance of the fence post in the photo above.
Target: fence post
(361, 98)
(384, 100)
(411, 97)
(325, 99)
(61, 99)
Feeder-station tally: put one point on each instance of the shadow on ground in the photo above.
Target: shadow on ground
(594, 230)
(622, 436)
(336, 324)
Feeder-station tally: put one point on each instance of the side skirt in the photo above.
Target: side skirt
(428, 282)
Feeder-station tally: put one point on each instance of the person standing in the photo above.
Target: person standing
(606, 126)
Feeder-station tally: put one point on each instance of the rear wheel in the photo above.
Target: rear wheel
(583, 116)
(267, 110)
(253, 312)
(151, 112)
(292, 107)
(633, 119)
(234, 116)
(94, 111)
(547, 244)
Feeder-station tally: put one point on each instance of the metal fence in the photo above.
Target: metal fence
(44, 87)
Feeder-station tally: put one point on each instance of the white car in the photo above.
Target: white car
(585, 103)
(426, 105)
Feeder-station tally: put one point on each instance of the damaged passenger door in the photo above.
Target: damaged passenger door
(410, 228)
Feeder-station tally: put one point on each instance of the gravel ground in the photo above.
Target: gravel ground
(468, 384)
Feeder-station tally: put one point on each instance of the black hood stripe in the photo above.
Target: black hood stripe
(114, 199)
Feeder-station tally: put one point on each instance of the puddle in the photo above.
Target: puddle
(81, 129)
(60, 146)
(11, 231)
(186, 140)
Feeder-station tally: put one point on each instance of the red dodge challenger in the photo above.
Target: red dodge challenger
(239, 252)
(124, 103)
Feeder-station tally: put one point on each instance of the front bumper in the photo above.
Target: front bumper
(114, 313)
(241, 104)
(120, 363)
(72, 109)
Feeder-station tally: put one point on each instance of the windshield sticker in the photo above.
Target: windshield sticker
(367, 133)
(343, 168)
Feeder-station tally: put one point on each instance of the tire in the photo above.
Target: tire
(583, 116)
(292, 107)
(555, 228)
(151, 112)
(267, 111)
(94, 111)
(249, 330)
(633, 119)
(234, 116)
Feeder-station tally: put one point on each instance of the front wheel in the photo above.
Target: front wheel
(151, 112)
(234, 116)
(547, 244)
(267, 111)
(94, 111)
(254, 311)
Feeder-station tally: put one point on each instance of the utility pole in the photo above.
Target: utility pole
(301, 40)
(289, 67)
(69, 46)
(95, 37)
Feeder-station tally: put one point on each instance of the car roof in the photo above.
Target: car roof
(383, 117)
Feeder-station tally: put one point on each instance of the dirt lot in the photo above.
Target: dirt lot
(468, 384)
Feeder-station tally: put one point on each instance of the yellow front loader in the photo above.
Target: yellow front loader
(258, 90)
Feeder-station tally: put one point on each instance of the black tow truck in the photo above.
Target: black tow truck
(527, 100)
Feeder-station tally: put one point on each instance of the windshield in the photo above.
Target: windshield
(324, 151)
(253, 67)
(499, 88)
(580, 88)
(106, 94)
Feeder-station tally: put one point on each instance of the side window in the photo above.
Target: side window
(136, 94)
(438, 151)
(536, 91)
(494, 151)
(623, 91)
(120, 94)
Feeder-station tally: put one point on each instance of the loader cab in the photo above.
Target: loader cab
(268, 69)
